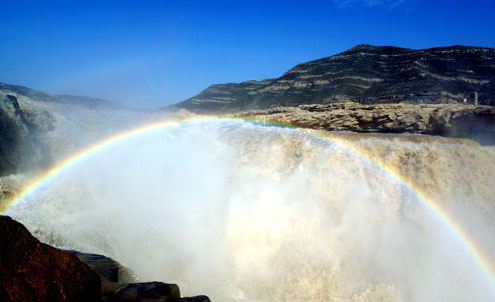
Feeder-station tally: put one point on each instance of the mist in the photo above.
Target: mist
(243, 212)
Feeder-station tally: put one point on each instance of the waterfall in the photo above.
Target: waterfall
(243, 212)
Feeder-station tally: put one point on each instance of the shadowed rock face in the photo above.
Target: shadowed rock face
(19, 146)
(364, 74)
(32, 271)
(38, 129)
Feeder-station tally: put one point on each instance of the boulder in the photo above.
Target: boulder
(31, 271)
(148, 292)
(108, 269)
(196, 299)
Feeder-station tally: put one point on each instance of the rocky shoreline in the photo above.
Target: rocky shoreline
(31, 271)
(450, 120)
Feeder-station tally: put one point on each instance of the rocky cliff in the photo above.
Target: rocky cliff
(18, 136)
(37, 128)
(365, 74)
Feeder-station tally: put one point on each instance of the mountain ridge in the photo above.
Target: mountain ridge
(364, 74)
(43, 96)
(38, 127)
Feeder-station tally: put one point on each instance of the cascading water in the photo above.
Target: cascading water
(249, 213)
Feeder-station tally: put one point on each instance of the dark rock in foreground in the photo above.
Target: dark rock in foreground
(108, 269)
(454, 120)
(31, 271)
(151, 291)
(196, 299)
(120, 285)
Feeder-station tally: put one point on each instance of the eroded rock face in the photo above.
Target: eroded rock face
(455, 120)
(31, 271)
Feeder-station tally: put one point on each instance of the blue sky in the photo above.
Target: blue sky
(154, 53)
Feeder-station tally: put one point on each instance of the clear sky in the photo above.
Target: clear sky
(154, 53)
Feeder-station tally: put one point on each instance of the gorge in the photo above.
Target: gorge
(364, 176)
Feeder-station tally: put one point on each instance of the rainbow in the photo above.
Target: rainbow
(455, 229)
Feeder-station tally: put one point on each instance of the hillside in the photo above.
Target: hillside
(365, 74)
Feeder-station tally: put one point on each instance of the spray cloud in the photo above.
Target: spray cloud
(251, 213)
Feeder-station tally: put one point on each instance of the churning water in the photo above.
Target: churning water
(242, 212)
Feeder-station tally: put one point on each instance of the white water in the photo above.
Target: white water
(250, 213)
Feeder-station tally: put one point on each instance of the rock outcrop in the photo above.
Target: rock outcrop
(108, 269)
(364, 74)
(31, 271)
(150, 291)
(456, 120)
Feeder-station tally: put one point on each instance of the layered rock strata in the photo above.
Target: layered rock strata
(477, 122)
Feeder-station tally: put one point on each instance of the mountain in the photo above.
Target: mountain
(57, 99)
(364, 74)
